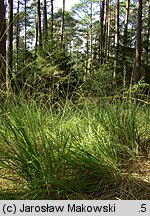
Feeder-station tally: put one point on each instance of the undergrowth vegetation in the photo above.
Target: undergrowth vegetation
(74, 100)
(79, 151)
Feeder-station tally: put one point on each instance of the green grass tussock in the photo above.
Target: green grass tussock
(73, 153)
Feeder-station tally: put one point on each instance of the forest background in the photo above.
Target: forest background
(94, 36)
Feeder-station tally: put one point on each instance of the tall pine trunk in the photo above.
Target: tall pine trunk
(63, 24)
(10, 43)
(116, 40)
(125, 41)
(2, 42)
(18, 33)
(91, 39)
(25, 30)
(87, 52)
(38, 25)
(107, 35)
(147, 56)
(101, 34)
(45, 29)
(137, 64)
(52, 21)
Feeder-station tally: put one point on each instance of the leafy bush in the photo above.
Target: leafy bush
(140, 88)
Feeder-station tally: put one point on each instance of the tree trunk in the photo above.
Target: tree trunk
(137, 64)
(87, 52)
(18, 33)
(101, 35)
(25, 30)
(2, 43)
(107, 35)
(125, 41)
(91, 39)
(63, 24)
(117, 29)
(52, 21)
(116, 39)
(148, 36)
(45, 22)
(10, 42)
(38, 24)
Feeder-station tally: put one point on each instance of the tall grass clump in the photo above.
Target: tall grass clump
(58, 155)
(127, 125)
(74, 152)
